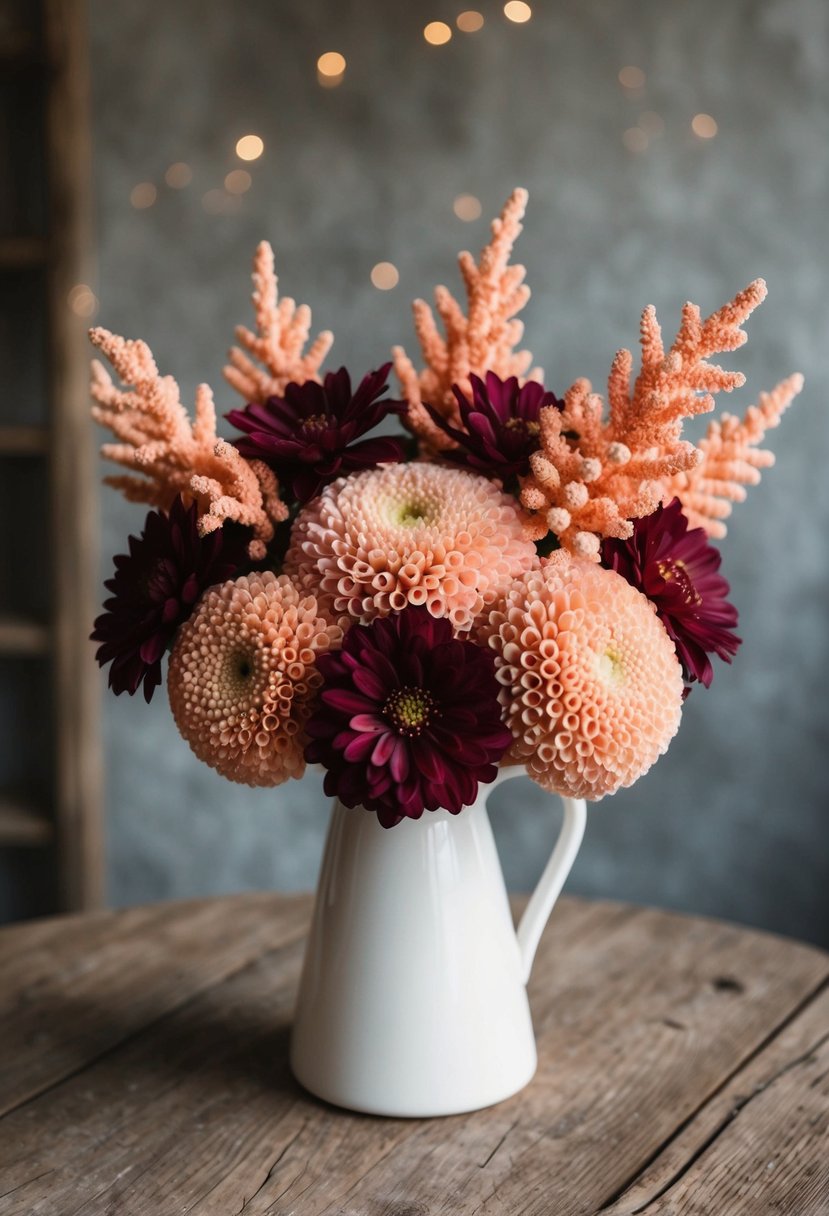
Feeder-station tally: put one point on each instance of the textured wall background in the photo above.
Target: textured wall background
(731, 821)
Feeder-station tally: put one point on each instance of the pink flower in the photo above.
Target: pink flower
(374, 542)
(243, 675)
(590, 682)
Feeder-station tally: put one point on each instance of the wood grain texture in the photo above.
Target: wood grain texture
(143, 1070)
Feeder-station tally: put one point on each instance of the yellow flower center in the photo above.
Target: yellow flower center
(409, 710)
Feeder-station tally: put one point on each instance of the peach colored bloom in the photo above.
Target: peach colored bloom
(243, 675)
(405, 534)
(591, 684)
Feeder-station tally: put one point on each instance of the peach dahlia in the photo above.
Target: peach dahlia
(425, 534)
(243, 675)
(591, 686)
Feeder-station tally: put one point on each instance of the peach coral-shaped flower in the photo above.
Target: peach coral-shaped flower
(591, 685)
(243, 675)
(409, 534)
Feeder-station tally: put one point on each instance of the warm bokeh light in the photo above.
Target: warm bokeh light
(467, 207)
(704, 126)
(632, 78)
(238, 181)
(332, 63)
(385, 276)
(219, 202)
(437, 32)
(178, 175)
(83, 301)
(651, 122)
(249, 147)
(143, 195)
(469, 22)
(518, 11)
(635, 139)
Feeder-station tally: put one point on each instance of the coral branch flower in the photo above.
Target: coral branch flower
(243, 675)
(308, 435)
(409, 534)
(590, 682)
(678, 570)
(155, 589)
(500, 427)
(408, 718)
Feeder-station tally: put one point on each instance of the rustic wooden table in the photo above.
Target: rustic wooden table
(684, 1068)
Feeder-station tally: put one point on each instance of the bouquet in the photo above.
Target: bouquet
(519, 577)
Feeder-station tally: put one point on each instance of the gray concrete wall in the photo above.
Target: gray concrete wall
(732, 822)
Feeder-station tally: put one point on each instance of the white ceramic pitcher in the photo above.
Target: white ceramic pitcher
(413, 993)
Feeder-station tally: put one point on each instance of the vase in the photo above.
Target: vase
(413, 1000)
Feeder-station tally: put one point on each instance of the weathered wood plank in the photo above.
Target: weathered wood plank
(750, 1123)
(73, 988)
(642, 1017)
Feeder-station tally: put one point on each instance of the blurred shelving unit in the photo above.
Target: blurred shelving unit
(51, 851)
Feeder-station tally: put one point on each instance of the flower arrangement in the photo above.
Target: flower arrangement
(525, 577)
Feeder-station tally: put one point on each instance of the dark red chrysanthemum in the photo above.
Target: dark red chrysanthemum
(156, 587)
(500, 425)
(308, 436)
(677, 568)
(408, 719)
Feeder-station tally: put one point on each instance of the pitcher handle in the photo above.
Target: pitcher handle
(537, 912)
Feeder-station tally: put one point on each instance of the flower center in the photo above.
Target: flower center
(411, 513)
(240, 669)
(409, 710)
(315, 423)
(675, 571)
(525, 425)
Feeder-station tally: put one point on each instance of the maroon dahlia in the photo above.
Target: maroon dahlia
(500, 425)
(154, 590)
(408, 719)
(308, 436)
(677, 568)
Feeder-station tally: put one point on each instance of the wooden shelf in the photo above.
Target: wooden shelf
(21, 637)
(24, 441)
(19, 252)
(23, 825)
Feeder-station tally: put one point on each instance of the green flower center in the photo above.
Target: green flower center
(524, 425)
(410, 513)
(409, 710)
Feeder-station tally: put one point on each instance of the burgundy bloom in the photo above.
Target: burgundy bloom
(155, 588)
(500, 425)
(307, 437)
(408, 719)
(677, 568)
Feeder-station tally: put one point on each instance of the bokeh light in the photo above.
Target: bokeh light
(83, 301)
(518, 11)
(332, 63)
(250, 147)
(178, 175)
(437, 32)
(469, 22)
(467, 207)
(704, 126)
(385, 276)
(238, 181)
(632, 78)
(143, 195)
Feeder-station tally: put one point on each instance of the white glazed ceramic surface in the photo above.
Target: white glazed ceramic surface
(412, 1000)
